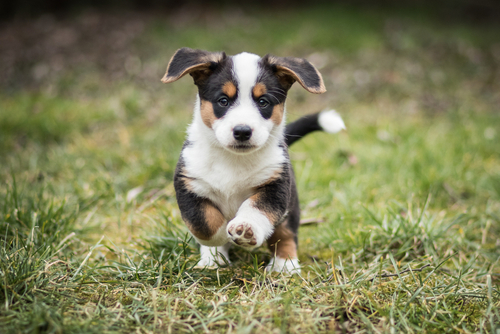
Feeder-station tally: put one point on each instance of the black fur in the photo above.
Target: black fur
(190, 204)
(293, 208)
(306, 72)
(205, 62)
(276, 92)
(289, 69)
(301, 127)
(274, 197)
(267, 110)
(210, 89)
(280, 198)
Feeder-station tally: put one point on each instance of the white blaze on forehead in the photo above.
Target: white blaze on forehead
(246, 71)
(244, 111)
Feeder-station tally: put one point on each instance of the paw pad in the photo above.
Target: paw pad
(242, 234)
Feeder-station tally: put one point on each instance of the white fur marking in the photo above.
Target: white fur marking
(218, 239)
(227, 179)
(213, 256)
(330, 121)
(249, 219)
(246, 70)
(244, 111)
(285, 266)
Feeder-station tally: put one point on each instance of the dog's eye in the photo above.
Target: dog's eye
(263, 103)
(223, 102)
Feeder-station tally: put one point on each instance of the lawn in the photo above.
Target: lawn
(401, 211)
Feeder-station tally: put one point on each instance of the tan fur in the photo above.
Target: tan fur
(259, 89)
(282, 242)
(168, 79)
(207, 113)
(187, 181)
(284, 71)
(229, 89)
(278, 111)
(271, 215)
(319, 90)
(273, 218)
(204, 63)
(276, 175)
(213, 218)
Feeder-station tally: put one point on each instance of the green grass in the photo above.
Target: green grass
(405, 204)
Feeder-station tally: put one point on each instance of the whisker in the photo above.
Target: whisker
(277, 100)
(277, 90)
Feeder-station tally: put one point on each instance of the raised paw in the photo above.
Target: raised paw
(242, 234)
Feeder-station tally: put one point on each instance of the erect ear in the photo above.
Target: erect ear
(289, 69)
(199, 63)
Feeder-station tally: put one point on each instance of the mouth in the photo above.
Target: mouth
(242, 148)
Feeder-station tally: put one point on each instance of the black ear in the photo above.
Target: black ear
(199, 63)
(289, 69)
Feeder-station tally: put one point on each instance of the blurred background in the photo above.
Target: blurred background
(394, 50)
(82, 109)
(90, 137)
(44, 40)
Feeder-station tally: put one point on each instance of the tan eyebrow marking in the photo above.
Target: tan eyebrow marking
(229, 89)
(259, 89)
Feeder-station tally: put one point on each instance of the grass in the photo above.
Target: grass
(405, 205)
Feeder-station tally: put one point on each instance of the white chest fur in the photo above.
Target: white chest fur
(228, 179)
(225, 177)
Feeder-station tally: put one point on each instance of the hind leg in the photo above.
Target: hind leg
(283, 245)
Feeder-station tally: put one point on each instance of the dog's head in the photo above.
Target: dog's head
(242, 97)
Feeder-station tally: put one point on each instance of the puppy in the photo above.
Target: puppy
(234, 181)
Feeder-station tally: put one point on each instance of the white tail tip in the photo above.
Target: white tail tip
(330, 121)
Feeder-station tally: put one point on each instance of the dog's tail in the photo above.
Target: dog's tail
(328, 121)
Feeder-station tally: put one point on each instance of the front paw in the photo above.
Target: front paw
(212, 257)
(242, 234)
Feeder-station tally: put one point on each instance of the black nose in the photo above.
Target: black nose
(242, 132)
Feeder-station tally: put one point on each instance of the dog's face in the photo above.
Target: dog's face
(242, 97)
